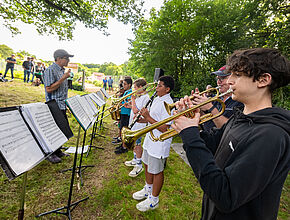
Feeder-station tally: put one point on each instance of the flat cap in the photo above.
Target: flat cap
(61, 53)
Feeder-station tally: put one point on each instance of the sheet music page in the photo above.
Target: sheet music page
(49, 134)
(17, 144)
(100, 95)
(100, 102)
(86, 106)
(92, 105)
(105, 93)
(78, 111)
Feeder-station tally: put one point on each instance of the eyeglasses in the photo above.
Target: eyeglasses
(221, 78)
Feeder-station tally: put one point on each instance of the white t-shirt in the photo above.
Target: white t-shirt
(158, 112)
(140, 103)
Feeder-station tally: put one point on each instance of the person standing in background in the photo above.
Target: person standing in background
(70, 79)
(27, 67)
(10, 62)
(39, 71)
(32, 68)
(105, 83)
(110, 84)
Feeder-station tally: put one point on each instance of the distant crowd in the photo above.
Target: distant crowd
(33, 71)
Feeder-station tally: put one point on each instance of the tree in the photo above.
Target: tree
(59, 17)
(5, 51)
(191, 38)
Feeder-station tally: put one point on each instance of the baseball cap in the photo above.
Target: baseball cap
(222, 71)
(61, 53)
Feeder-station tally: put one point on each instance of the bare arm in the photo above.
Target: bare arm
(148, 118)
(57, 84)
(10, 61)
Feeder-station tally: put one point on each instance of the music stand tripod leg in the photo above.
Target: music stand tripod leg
(70, 206)
(91, 141)
(22, 199)
(80, 167)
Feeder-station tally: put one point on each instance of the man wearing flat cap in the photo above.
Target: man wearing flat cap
(222, 76)
(56, 87)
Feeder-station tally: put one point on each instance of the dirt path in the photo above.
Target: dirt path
(91, 87)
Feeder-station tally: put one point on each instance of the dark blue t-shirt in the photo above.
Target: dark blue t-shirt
(10, 64)
(230, 104)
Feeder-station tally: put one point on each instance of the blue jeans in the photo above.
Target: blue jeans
(26, 72)
(33, 74)
(6, 70)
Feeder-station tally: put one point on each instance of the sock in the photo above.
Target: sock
(139, 162)
(134, 159)
(149, 188)
(155, 199)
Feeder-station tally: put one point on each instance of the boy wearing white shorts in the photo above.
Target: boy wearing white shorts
(136, 105)
(155, 153)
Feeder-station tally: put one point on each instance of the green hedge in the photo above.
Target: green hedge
(77, 86)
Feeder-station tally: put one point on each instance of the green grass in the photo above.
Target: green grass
(107, 184)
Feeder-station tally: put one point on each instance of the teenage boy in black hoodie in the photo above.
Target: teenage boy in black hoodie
(242, 166)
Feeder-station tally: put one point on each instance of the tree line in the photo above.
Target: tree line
(191, 38)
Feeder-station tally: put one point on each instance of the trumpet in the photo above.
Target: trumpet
(115, 108)
(129, 137)
(170, 107)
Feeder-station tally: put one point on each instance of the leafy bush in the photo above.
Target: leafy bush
(77, 86)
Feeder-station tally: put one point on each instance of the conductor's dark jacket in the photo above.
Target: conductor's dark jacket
(242, 166)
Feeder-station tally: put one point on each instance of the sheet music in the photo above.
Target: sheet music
(105, 93)
(44, 127)
(100, 102)
(100, 95)
(17, 144)
(78, 111)
(92, 105)
(86, 106)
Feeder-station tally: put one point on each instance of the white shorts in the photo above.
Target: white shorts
(155, 165)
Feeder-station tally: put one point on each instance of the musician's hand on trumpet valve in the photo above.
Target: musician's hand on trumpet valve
(198, 99)
(184, 122)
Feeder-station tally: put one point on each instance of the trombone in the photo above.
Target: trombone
(129, 137)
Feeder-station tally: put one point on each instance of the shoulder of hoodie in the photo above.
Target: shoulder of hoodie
(274, 117)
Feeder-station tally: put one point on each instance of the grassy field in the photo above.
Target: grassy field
(107, 184)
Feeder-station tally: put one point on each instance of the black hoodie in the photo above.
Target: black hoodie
(242, 166)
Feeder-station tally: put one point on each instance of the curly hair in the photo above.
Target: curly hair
(257, 61)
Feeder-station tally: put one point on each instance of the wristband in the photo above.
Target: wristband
(211, 109)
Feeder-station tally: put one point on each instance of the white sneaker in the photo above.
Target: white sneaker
(146, 205)
(136, 171)
(130, 163)
(142, 194)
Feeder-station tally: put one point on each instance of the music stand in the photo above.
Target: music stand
(100, 94)
(70, 206)
(78, 105)
(99, 102)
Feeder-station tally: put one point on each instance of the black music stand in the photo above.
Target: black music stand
(70, 206)
(100, 94)
(95, 126)
(93, 135)
(80, 168)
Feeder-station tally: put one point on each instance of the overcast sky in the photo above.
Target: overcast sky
(88, 45)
